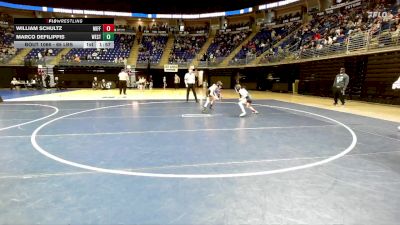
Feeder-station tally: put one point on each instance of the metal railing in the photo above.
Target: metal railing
(211, 63)
(358, 43)
(285, 35)
(90, 63)
(35, 61)
(247, 60)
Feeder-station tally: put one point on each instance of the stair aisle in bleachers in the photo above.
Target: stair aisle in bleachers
(287, 37)
(167, 50)
(203, 50)
(58, 57)
(225, 62)
(133, 56)
(18, 59)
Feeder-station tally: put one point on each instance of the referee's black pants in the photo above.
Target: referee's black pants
(122, 86)
(338, 93)
(191, 86)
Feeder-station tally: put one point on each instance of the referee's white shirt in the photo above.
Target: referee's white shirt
(190, 78)
(123, 76)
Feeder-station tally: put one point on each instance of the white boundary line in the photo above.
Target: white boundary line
(32, 121)
(382, 136)
(161, 175)
(165, 131)
(42, 175)
(197, 115)
(177, 131)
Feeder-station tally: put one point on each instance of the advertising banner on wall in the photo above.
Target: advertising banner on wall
(170, 68)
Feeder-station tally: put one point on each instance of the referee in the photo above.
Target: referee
(190, 80)
(339, 86)
(123, 79)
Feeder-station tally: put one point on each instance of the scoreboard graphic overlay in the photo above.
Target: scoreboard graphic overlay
(64, 33)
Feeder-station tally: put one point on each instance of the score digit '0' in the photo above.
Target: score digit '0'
(108, 27)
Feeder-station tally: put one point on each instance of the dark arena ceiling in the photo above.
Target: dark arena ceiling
(149, 6)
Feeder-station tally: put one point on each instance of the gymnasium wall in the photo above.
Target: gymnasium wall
(371, 76)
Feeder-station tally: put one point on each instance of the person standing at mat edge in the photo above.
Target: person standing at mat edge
(177, 81)
(396, 85)
(164, 80)
(190, 80)
(339, 86)
(123, 79)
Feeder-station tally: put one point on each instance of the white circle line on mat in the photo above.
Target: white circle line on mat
(32, 121)
(193, 176)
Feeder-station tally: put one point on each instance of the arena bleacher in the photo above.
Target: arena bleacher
(185, 48)
(151, 48)
(122, 47)
(223, 44)
(290, 37)
(7, 50)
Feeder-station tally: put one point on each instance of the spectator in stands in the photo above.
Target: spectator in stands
(151, 48)
(77, 58)
(95, 54)
(185, 48)
(125, 61)
(395, 33)
(7, 49)
(40, 56)
(339, 86)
